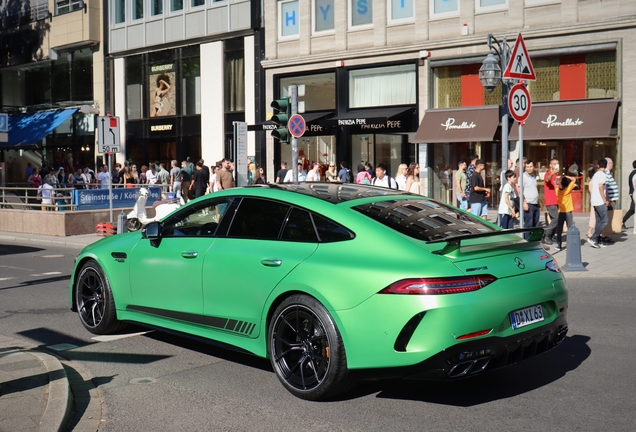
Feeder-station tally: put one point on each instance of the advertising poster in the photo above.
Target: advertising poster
(162, 90)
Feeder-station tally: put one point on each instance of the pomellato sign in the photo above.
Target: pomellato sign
(552, 121)
(450, 124)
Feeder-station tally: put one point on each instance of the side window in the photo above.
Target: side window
(329, 231)
(299, 227)
(258, 219)
(201, 220)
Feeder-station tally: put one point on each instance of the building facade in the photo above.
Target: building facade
(182, 73)
(51, 63)
(368, 65)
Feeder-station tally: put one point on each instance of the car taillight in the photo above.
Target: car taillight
(437, 286)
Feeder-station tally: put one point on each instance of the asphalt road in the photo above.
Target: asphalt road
(156, 381)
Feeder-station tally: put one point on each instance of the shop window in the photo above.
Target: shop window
(490, 5)
(61, 71)
(36, 85)
(176, 5)
(191, 85)
(361, 12)
(323, 15)
(444, 8)
(82, 75)
(401, 10)
(120, 11)
(234, 81)
(392, 85)
(137, 9)
(320, 91)
(66, 6)
(601, 75)
(448, 88)
(156, 7)
(134, 88)
(288, 19)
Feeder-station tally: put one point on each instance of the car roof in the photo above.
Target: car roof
(334, 192)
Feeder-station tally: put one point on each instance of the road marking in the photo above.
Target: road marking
(109, 338)
(52, 256)
(7, 278)
(16, 268)
(62, 347)
(47, 274)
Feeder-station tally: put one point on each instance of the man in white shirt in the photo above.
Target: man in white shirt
(302, 175)
(103, 177)
(46, 192)
(599, 201)
(381, 179)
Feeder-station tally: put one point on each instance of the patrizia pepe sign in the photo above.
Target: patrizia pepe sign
(450, 124)
(552, 121)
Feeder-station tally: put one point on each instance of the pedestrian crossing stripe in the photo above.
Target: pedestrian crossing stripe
(519, 64)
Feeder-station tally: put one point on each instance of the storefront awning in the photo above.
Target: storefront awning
(26, 130)
(458, 125)
(310, 119)
(568, 120)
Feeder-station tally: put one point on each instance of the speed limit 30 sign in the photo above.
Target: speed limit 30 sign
(519, 103)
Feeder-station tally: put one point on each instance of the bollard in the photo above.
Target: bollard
(573, 251)
(121, 223)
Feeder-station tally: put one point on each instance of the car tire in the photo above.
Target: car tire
(133, 224)
(94, 299)
(306, 349)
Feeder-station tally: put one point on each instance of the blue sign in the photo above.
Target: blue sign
(93, 199)
(296, 125)
(4, 122)
(289, 18)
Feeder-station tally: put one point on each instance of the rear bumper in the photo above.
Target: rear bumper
(474, 357)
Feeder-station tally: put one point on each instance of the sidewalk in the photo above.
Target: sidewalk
(35, 393)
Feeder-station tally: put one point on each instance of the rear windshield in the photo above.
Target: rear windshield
(423, 219)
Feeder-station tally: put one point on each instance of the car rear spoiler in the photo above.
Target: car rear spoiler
(453, 243)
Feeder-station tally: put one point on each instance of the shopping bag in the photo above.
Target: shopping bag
(614, 222)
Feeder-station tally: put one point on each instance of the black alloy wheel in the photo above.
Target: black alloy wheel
(95, 304)
(306, 350)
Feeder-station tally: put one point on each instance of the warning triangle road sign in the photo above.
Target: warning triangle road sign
(519, 64)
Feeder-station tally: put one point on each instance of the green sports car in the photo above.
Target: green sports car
(331, 282)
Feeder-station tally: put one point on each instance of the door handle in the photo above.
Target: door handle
(189, 254)
(271, 262)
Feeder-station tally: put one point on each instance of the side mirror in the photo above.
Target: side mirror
(152, 231)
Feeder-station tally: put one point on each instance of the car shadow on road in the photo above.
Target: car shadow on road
(499, 384)
(6, 249)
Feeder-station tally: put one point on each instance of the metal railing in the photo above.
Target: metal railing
(26, 198)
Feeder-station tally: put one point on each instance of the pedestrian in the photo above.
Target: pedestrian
(282, 172)
(34, 180)
(142, 175)
(344, 175)
(151, 174)
(214, 185)
(186, 179)
(175, 177)
(331, 175)
(611, 186)
(550, 185)
(400, 177)
(632, 187)
(259, 176)
(135, 173)
(115, 174)
(363, 176)
(479, 194)
(381, 179)
(592, 222)
(413, 184)
(61, 177)
(128, 178)
(103, 177)
(600, 203)
(530, 198)
(29, 170)
(507, 209)
(460, 185)
(302, 175)
(224, 175)
(314, 173)
(564, 202)
(200, 180)
(46, 193)
(469, 173)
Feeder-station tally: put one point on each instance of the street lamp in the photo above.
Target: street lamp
(490, 77)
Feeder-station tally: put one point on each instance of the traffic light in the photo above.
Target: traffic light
(282, 112)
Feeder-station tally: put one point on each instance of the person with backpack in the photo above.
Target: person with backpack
(381, 179)
(344, 175)
(363, 177)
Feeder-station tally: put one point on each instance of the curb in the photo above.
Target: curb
(58, 405)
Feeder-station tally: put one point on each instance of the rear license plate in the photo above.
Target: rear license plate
(527, 316)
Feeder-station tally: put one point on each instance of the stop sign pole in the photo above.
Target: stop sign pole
(519, 105)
